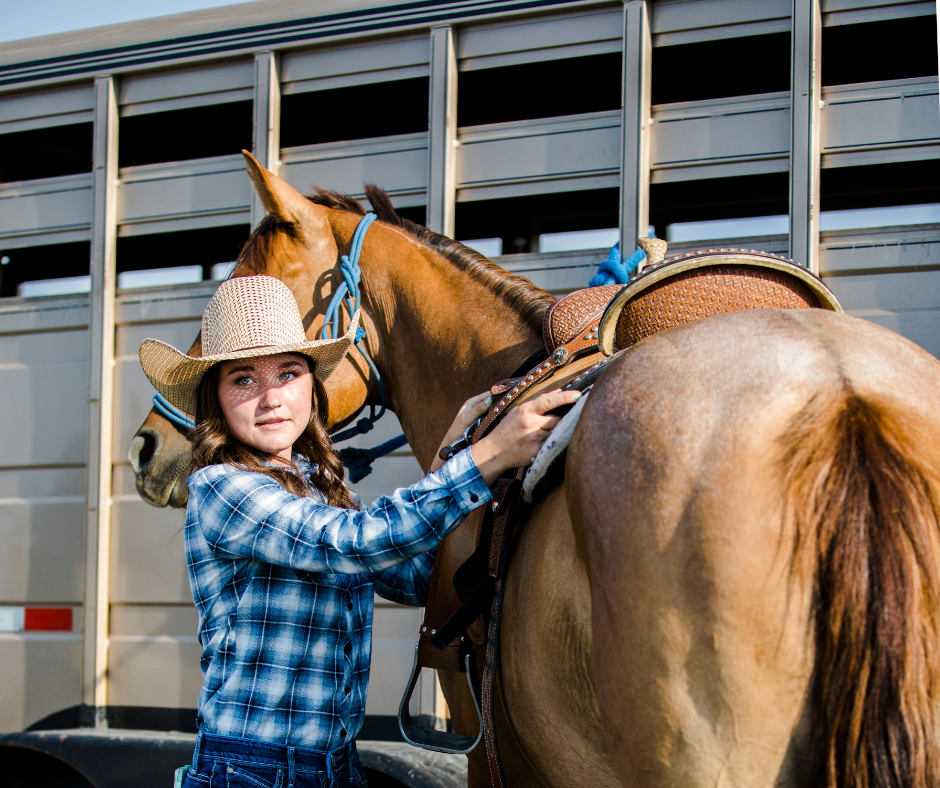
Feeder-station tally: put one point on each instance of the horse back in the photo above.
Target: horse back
(704, 578)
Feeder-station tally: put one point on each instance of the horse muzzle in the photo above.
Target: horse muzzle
(160, 480)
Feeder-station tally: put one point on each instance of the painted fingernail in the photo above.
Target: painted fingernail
(488, 401)
(577, 396)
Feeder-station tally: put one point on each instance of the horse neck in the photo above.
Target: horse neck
(443, 336)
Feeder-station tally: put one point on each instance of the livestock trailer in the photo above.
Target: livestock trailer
(539, 131)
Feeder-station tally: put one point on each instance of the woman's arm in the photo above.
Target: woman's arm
(407, 583)
(248, 515)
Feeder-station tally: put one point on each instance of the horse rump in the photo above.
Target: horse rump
(865, 511)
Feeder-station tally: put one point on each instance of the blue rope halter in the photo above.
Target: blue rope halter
(358, 461)
(172, 413)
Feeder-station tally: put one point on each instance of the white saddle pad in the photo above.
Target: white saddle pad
(552, 448)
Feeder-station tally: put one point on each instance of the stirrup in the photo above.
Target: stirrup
(429, 739)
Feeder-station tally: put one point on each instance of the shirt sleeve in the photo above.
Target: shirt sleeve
(249, 515)
(407, 583)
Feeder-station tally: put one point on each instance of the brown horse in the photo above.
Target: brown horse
(736, 585)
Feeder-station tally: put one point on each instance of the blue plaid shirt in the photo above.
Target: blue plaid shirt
(284, 588)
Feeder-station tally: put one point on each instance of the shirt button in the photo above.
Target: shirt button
(346, 689)
(349, 605)
(473, 498)
(348, 648)
(342, 733)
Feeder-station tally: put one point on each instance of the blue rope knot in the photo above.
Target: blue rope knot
(616, 271)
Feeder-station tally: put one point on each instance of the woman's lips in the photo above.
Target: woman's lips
(269, 425)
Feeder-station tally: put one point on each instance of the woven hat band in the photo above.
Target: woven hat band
(250, 312)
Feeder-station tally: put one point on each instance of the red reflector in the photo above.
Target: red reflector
(48, 619)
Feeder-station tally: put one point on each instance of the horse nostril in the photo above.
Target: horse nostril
(141, 451)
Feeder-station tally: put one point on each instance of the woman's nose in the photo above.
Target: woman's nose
(270, 397)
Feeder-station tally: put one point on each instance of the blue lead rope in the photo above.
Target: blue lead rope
(357, 461)
(614, 270)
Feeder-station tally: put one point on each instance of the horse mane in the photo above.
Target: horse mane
(519, 294)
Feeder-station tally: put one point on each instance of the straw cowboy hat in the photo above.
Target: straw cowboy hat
(248, 316)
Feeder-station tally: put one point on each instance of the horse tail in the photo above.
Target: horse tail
(867, 530)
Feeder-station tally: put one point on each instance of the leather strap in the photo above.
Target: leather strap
(507, 507)
(585, 340)
(447, 643)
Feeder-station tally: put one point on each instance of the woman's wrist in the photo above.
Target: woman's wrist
(487, 461)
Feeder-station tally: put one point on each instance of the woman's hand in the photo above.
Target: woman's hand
(469, 412)
(516, 440)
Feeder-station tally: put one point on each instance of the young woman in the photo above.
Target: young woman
(283, 559)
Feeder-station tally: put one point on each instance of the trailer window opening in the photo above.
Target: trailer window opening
(519, 223)
(56, 269)
(183, 134)
(179, 257)
(719, 199)
(547, 89)
(46, 153)
(379, 109)
(723, 68)
(856, 53)
(880, 185)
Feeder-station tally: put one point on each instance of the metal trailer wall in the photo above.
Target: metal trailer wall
(73, 531)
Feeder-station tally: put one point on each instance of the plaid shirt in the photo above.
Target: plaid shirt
(284, 589)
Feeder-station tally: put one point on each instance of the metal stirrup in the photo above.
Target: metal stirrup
(429, 739)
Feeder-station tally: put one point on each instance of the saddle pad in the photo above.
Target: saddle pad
(541, 475)
(566, 316)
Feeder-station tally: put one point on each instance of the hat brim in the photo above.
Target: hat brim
(177, 375)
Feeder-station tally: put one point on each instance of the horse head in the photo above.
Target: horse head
(298, 244)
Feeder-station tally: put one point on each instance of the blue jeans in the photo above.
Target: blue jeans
(227, 762)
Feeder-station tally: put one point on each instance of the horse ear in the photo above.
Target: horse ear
(279, 198)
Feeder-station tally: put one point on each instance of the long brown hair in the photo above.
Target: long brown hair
(213, 444)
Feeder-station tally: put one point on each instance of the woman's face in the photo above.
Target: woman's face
(267, 400)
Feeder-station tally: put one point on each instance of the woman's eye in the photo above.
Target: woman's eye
(243, 381)
(288, 375)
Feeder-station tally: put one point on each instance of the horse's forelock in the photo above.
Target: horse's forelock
(337, 201)
(257, 250)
